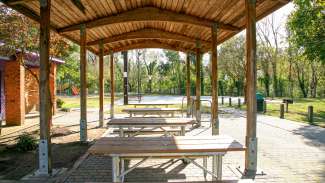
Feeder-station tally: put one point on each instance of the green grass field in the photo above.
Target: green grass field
(299, 109)
(74, 102)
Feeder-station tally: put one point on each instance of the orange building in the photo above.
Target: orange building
(19, 86)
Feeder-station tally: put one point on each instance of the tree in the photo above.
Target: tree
(307, 27)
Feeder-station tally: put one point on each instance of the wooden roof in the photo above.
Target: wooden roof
(132, 24)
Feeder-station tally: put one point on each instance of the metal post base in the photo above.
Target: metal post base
(251, 157)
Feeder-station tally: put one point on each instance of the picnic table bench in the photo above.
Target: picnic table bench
(136, 126)
(186, 147)
(151, 111)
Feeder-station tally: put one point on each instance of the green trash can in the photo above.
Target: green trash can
(260, 102)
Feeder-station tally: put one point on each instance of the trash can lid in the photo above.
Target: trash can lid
(259, 96)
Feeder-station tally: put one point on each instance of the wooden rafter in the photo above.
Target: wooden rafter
(150, 44)
(149, 14)
(15, 2)
(149, 33)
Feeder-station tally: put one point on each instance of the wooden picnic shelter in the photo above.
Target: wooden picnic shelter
(105, 27)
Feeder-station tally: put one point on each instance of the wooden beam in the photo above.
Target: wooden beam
(214, 81)
(101, 84)
(150, 33)
(149, 14)
(15, 2)
(251, 140)
(45, 158)
(83, 84)
(125, 77)
(112, 83)
(151, 44)
(79, 5)
(188, 84)
(198, 83)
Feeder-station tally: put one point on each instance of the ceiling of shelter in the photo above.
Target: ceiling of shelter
(131, 24)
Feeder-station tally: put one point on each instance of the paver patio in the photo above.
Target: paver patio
(288, 152)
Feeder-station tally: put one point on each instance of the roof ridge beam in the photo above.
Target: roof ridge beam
(149, 14)
(149, 33)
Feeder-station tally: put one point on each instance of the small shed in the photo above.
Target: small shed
(19, 86)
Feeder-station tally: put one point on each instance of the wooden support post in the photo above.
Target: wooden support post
(125, 78)
(282, 110)
(310, 114)
(101, 84)
(198, 83)
(239, 103)
(112, 83)
(83, 84)
(222, 100)
(251, 140)
(214, 81)
(45, 162)
(188, 84)
(230, 104)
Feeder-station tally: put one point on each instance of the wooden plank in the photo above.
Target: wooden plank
(150, 33)
(101, 84)
(251, 140)
(150, 109)
(151, 121)
(179, 144)
(149, 14)
(45, 157)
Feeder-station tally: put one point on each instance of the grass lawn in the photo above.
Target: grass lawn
(298, 111)
(74, 102)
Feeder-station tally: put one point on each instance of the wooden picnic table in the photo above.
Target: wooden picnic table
(152, 104)
(151, 111)
(187, 147)
(141, 125)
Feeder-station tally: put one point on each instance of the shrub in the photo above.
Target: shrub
(26, 142)
(59, 103)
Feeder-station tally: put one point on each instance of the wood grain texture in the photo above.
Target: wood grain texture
(178, 144)
(109, 18)
(151, 121)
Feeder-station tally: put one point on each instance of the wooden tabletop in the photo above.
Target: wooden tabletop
(150, 109)
(158, 145)
(151, 121)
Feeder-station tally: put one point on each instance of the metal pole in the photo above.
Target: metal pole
(251, 140)
(125, 77)
(101, 83)
(83, 84)
(214, 81)
(45, 160)
(188, 84)
(198, 83)
(112, 83)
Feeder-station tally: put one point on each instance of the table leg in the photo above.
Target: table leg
(116, 169)
(122, 168)
(182, 130)
(173, 115)
(205, 165)
(121, 132)
(214, 166)
(219, 173)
